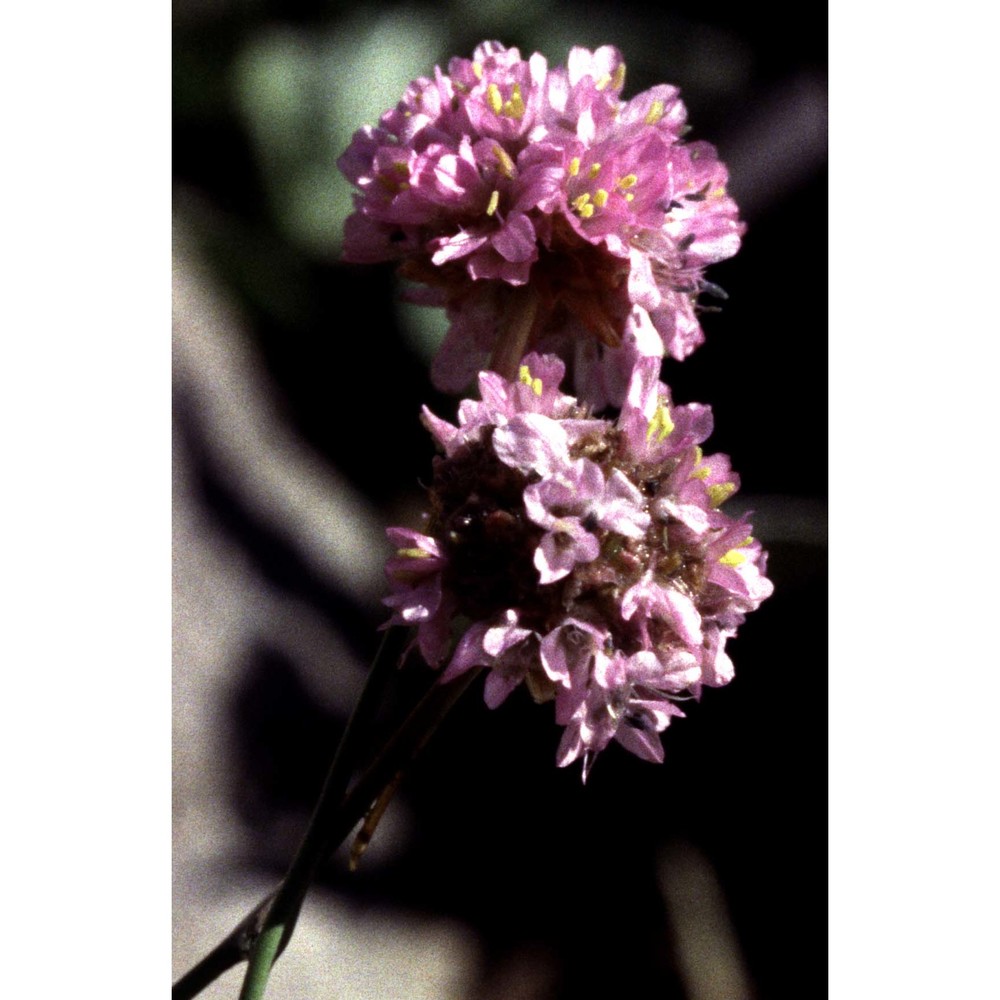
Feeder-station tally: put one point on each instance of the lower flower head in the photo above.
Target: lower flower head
(588, 558)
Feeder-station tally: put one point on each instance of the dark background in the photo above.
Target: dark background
(503, 840)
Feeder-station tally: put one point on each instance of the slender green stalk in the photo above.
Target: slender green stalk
(262, 959)
(230, 951)
(265, 932)
(331, 826)
(237, 946)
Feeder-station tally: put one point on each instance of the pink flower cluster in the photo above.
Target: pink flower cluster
(586, 557)
(504, 179)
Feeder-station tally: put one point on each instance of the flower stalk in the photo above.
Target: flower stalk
(261, 937)
(515, 332)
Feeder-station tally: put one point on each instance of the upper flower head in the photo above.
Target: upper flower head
(503, 174)
(588, 558)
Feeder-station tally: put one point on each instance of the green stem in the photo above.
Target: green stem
(239, 943)
(313, 850)
(334, 820)
(232, 950)
(264, 933)
(262, 959)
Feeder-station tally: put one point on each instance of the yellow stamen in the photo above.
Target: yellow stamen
(401, 168)
(618, 80)
(733, 558)
(574, 166)
(603, 82)
(660, 424)
(624, 183)
(477, 69)
(582, 206)
(629, 196)
(595, 169)
(719, 192)
(600, 197)
(719, 492)
(700, 471)
(514, 108)
(506, 163)
(525, 376)
(494, 201)
(413, 553)
(494, 98)
(655, 112)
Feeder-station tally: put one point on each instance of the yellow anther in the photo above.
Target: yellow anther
(655, 112)
(477, 69)
(583, 206)
(700, 471)
(595, 169)
(629, 196)
(402, 168)
(413, 553)
(660, 425)
(719, 492)
(603, 81)
(494, 201)
(574, 166)
(719, 192)
(733, 558)
(506, 163)
(494, 98)
(600, 197)
(524, 374)
(514, 108)
(626, 182)
(618, 80)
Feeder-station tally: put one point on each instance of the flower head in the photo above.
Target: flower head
(588, 558)
(504, 182)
